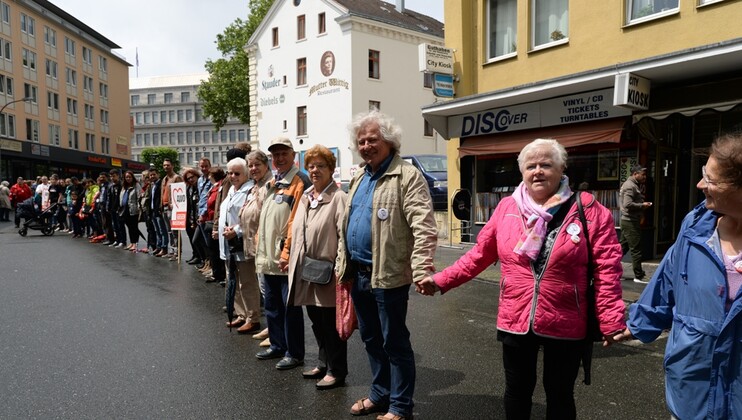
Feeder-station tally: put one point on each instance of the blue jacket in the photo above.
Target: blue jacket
(703, 358)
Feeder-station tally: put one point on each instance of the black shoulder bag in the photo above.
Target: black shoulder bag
(593, 332)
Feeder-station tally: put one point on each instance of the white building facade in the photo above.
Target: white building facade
(315, 64)
(166, 112)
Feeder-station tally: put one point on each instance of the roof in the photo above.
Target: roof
(385, 12)
(167, 81)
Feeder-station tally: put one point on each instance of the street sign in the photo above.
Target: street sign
(443, 85)
(435, 58)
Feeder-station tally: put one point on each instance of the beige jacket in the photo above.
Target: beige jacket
(250, 215)
(322, 225)
(404, 242)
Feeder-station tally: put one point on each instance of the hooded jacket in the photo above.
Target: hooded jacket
(554, 304)
(688, 293)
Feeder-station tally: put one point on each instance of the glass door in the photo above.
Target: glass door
(665, 199)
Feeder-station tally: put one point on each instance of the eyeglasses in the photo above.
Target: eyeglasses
(312, 167)
(188, 178)
(706, 179)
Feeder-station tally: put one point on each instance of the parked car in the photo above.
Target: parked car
(435, 171)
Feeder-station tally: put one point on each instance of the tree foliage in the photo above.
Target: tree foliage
(226, 93)
(155, 156)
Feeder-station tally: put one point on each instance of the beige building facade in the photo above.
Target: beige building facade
(618, 83)
(64, 95)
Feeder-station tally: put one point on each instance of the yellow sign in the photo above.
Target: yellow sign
(12, 145)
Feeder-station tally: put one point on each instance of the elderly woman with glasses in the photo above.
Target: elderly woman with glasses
(315, 233)
(695, 294)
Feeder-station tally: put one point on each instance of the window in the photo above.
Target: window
(69, 47)
(28, 25)
(301, 72)
(168, 98)
(137, 117)
(73, 135)
(163, 117)
(6, 85)
(147, 118)
(427, 80)
(185, 97)
(301, 121)
(301, 27)
(50, 36)
(241, 135)
(105, 145)
(72, 78)
(223, 136)
(550, 21)
(189, 115)
(90, 112)
(29, 59)
(5, 12)
(90, 142)
(155, 139)
(171, 116)
(374, 105)
(87, 55)
(502, 28)
(7, 125)
(72, 107)
(232, 135)
(32, 130)
(30, 91)
(104, 90)
(87, 84)
(189, 137)
(52, 100)
(51, 68)
(197, 137)
(134, 100)
(180, 115)
(373, 64)
(6, 49)
(151, 99)
(275, 37)
(103, 64)
(180, 137)
(155, 117)
(104, 117)
(171, 138)
(55, 132)
(427, 129)
(321, 25)
(638, 9)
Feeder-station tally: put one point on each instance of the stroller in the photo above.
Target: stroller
(34, 218)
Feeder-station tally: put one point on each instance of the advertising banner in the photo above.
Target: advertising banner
(178, 198)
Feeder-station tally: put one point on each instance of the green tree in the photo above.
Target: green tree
(155, 156)
(226, 92)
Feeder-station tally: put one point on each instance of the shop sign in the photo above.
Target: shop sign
(582, 107)
(136, 166)
(122, 149)
(273, 100)
(178, 196)
(116, 162)
(631, 91)
(443, 85)
(332, 85)
(39, 150)
(435, 58)
(11, 145)
(98, 159)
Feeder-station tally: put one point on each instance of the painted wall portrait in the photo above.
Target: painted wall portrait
(327, 63)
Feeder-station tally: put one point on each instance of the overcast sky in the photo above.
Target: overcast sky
(175, 36)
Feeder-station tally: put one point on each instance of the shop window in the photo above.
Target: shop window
(550, 22)
(502, 28)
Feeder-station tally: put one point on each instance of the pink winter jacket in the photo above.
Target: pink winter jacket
(555, 305)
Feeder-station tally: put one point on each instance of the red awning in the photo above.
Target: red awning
(604, 131)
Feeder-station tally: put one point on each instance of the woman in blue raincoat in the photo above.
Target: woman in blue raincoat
(695, 294)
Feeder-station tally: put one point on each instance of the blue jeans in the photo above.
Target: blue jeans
(382, 315)
(160, 231)
(285, 323)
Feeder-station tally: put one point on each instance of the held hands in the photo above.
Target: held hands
(229, 233)
(617, 337)
(283, 265)
(427, 286)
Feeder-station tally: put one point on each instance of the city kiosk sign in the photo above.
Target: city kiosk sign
(581, 107)
(435, 58)
(632, 91)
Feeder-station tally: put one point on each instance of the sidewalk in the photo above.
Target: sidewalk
(446, 255)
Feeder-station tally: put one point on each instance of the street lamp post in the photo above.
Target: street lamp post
(26, 99)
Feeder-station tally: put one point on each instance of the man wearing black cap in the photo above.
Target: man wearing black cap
(632, 207)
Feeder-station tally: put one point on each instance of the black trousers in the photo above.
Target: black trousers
(561, 366)
(333, 352)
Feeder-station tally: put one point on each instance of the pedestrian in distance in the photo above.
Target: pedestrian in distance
(695, 294)
(387, 241)
(5, 205)
(19, 192)
(632, 209)
(540, 242)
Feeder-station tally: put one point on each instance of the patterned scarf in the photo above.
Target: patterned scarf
(537, 217)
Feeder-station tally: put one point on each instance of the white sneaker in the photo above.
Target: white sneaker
(119, 245)
(641, 281)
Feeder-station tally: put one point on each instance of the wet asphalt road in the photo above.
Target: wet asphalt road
(87, 331)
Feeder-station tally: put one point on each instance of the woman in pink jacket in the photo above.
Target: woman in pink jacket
(538, 238)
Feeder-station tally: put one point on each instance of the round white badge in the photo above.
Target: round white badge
(279, 199)
(313, 204)
(573, 229)
(383, 214)
(250, 197)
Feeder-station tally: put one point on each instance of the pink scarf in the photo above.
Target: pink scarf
(537, 217)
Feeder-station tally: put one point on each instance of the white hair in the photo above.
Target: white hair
(558, 152)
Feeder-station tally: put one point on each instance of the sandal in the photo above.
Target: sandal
(361, 409)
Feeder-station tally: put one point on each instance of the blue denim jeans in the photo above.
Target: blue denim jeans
(382, 317)
(160, 231)
(285, 323)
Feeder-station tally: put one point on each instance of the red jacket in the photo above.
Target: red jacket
(554, 306)
(19, 193)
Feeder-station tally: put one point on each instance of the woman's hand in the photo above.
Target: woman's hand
(283, 265)
(229, 233)
(617, 337)
(427, 286)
